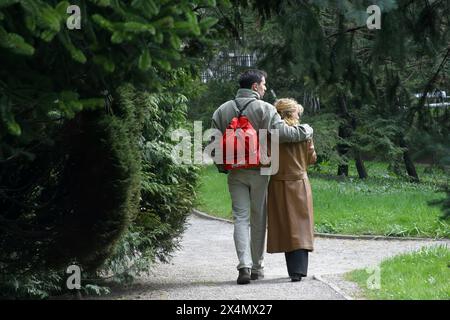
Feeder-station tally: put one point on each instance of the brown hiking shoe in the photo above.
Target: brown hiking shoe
(244, 276)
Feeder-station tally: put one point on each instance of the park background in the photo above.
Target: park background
(86, 172)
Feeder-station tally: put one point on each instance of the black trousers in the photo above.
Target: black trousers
(297, 262)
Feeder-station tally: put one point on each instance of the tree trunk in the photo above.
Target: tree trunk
(343, 170)
(344, 132)
(410, 168)
(362, 172)
(409, 164)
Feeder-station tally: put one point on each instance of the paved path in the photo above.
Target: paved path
(205, 268)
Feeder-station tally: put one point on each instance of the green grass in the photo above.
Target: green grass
(213, 195)
(428, 175)
(376, 206)
(424, 274)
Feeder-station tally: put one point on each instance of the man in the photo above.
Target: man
(248, 187)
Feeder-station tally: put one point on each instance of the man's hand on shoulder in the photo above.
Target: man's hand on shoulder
(308, 130)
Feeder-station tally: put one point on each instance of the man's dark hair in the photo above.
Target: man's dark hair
(249, 77)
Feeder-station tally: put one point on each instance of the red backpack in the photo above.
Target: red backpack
(240, 144)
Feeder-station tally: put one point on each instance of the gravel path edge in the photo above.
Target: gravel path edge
(332, 286)
(204, 215)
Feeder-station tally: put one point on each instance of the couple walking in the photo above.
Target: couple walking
(283, 203)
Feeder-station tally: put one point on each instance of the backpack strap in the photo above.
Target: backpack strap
(240, 111)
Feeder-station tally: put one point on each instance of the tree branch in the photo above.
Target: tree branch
(432, 80)
(348, 30)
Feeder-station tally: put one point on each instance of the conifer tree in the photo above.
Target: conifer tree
(70, 124)
(367, 77)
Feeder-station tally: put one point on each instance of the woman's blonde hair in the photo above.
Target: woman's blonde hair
(286, 107)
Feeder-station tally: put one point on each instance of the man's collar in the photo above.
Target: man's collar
(247, 93)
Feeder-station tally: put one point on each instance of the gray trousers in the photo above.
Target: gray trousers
(248, 190)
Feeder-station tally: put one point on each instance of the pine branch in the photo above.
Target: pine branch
(346, 31)
(11, 226)
(429, 85)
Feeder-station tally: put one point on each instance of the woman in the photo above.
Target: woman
(290, 206)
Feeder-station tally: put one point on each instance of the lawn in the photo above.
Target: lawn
(424, 274)
(385, 205)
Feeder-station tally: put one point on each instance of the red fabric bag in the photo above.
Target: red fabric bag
(240, 143)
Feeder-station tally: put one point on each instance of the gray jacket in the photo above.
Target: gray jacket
(262, 115)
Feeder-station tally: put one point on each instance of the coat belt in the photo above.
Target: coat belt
(290, 176)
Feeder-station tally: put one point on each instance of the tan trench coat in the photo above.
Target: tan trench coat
(290, 203)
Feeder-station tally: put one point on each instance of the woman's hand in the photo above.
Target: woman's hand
(312, 156)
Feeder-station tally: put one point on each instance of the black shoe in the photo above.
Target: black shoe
(257, 275)
(296, 277)
(244, 276)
